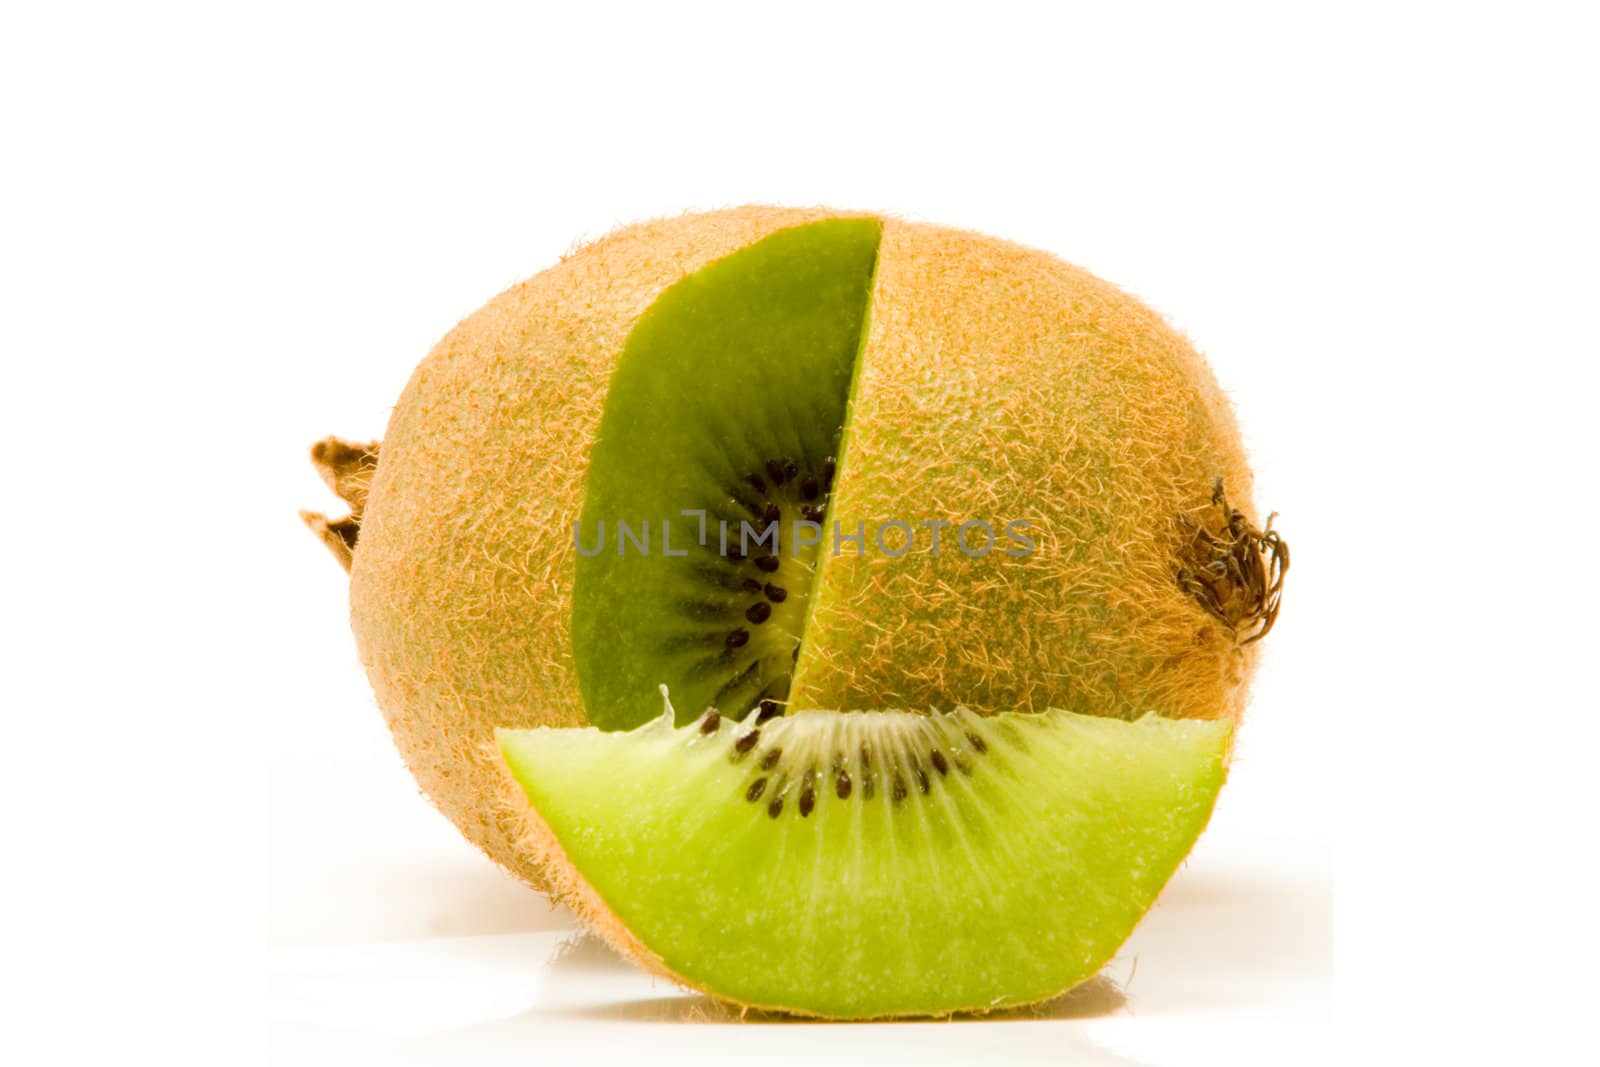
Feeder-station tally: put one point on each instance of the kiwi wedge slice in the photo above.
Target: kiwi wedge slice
(721, 433)
(868, 864)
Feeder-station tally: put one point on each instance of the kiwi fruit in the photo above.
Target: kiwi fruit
(868, 864)
(997, 482)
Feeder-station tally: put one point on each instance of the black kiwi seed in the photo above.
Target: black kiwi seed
(922, 777)
(776, 593)
(770, 760)
(790, 468)
(713, 719)
(757, 787)
(776, 472)
(810, 488)
(767, 563)
(772, 514)
(898, 792)
(978, 743)
(769, 709)
(738, 638)
(756, 483)
(940, 764)
(759, 612)
(775, 808)
(747, 742)
(829, 467)
(841, 785)
(812, 513)
(808, 799)
(750, 585)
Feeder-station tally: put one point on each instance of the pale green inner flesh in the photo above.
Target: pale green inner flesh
(1007, 875)
(729, 399)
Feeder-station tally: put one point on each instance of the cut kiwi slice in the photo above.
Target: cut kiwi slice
(867, 864)
(720, 433)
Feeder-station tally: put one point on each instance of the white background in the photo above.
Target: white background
(227, 233)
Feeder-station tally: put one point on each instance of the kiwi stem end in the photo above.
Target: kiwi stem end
(347, 469)
(1236, 574)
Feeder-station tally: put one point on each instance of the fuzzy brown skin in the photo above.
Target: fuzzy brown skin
(460, 591)
(1060, 401)
(996, 382)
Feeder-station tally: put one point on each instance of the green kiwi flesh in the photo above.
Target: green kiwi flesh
(868, 864)
(722, 422)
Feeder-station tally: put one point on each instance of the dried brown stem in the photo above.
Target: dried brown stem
(1237, 572)
(347, 468)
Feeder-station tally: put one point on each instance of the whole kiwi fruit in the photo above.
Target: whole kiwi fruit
(542, 536)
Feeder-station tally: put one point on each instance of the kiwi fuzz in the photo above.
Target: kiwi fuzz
(723, 363)
(461, 587)
(1063, 403)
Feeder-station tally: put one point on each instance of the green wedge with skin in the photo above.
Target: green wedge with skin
(888, 863)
